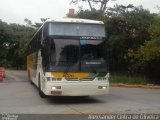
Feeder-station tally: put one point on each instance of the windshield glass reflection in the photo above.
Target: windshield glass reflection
(67, 55)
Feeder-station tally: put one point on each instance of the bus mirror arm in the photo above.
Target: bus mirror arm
(42, 45)
(42, 52)
(42, 49)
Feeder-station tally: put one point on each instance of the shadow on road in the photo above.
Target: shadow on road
(72, 100)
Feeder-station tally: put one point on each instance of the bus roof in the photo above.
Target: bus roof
(75, 20)
(70, 20)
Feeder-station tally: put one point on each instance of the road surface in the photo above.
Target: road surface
(17, 95)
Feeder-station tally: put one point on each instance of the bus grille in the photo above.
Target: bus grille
(79, 79)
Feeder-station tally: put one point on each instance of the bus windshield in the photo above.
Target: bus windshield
(76, 29)
(68, 55)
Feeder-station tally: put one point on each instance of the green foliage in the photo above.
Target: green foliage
(155, 28)
(5, 41)
(13, 43)
(87, 14)
(101, 5)
(133, 36)
(14, 39)
(123, 78)
(28, 22)
(36, 25)
(127, 30)
(146, 58)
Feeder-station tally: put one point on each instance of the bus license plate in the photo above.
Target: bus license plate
(56, 92)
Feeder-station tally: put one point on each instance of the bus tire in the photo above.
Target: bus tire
(41, 94)
(31, 82)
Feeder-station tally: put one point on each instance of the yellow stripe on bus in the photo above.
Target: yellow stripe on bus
(70, 75)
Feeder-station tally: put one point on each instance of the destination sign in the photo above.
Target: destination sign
(90, 37)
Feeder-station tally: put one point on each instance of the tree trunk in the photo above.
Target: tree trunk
(90, 4)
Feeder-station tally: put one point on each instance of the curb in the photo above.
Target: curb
(135, 86)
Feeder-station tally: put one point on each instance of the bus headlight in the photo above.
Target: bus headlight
(53, 88)
(56, 87)
(102, 87)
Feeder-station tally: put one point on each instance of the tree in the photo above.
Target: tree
(87, 14)
(28, 22)
(13, 44)
(44, 19)
(38, 24)
(127, 30)
(102, 3)
(146, 58)
(22, 36)
(6, 40)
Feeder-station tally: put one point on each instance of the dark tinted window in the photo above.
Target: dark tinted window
(63, 54)
(69, 55)
(93, 56)
(35, 43)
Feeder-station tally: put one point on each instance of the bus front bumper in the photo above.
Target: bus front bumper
(76, 89)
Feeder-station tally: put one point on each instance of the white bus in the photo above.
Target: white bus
(66, 57)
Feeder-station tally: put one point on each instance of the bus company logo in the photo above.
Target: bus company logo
(68, 75)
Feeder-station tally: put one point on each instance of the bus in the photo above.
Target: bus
(67, 57)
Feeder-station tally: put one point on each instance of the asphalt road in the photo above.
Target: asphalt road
(17, 95)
